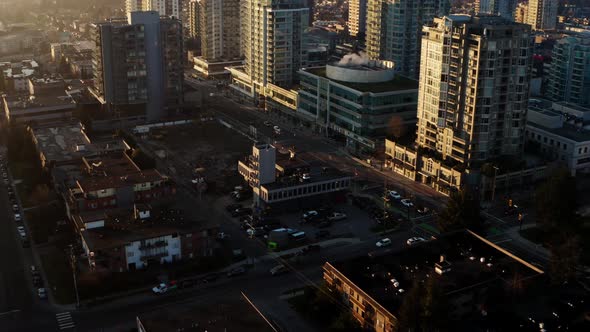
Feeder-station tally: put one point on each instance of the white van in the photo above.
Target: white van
(299, 236)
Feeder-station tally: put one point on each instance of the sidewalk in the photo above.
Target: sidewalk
(514, 234)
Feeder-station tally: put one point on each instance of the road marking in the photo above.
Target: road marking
(64, 320)
(9, 312)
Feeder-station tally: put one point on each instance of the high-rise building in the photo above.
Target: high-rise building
(357, 17)
(542, 14)
(194, 24)
(569, 75)
(139, 61)
(503, 8)
(521, 14)
(272, 43)
(474, 83)
(219, 22)
(394, 29)
(163, 7)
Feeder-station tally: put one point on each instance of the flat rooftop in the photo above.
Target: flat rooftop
(569, 131)
(227, 316)
(399, 83)
(121, 228)
(317, 174)
(20, 103)
(464, 251)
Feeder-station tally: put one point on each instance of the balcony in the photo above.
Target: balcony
(157, 244)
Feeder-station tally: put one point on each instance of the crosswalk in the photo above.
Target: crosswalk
(64, 321)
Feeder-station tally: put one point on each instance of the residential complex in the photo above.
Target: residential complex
(472, 102)
(163, 7)
(357, 17)
(272, 42)
(542, 14)
(219, 33)
(502, 8)
(139, 61)
(560, 131)
(466, 268)
(394, 30)
(193, 15)
(362, 102)
(569, 74)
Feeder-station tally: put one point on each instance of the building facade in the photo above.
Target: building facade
(272, 44)
(569, 74)
(333, 99)
(474, 84)
(193, 15)
(542, 14)
(357, 17)
(219, 29)
(163, 7)
(503, 8)
(139, 61)
(394, 29)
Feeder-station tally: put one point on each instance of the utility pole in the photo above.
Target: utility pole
(73, 264)
(494, 183)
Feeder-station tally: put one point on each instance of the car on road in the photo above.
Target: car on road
(236, 272)
(383, 243)
(42, 293)
(164, 288)
(267, 123)
(394, 194)
(306, 176)
(278, 270)
(277, 130)
(21, 229)
(15, 208)
(407, 202)
(17, 217)
(423, 210)
(414, 240)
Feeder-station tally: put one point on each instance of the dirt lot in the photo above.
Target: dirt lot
(209, 147)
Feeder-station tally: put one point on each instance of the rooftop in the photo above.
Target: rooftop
(568, 131)
(70, 143)
(20, 103)
(121, 227)
(227, 316)
(317, 174)
(399, 83)
(464, 251)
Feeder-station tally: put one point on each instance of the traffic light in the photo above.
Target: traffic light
(510, 202)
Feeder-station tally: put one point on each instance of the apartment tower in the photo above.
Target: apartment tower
(569, 75)
(163, 7)
(272, 40)
(357, 17)
(138, 61)
(394, 29)
(542, 14)
(503, 8)
(474, 84)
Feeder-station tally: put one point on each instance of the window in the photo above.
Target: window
(130, 254)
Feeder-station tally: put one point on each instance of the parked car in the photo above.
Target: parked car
(407, 202)
(160, 289)
(236, 272)
(278, 270)
(305, 176)
(322, 234)
(413, 240)
(257, 231)
(337, 216)
(15, 208)
(34, 271)
(233, 207)
(394, 194)
(37, 281)
(17, 217)
(423, 210)
(383, 243)
(241, 212)
(310, 214)
(277, 130)
(267, 123)
(42, 293)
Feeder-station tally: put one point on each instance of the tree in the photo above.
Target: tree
(345, 322)
(462, 211)
(565, 257)
(556, 202)
(424, 308)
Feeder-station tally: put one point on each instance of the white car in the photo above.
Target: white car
(407, 202)
(414, 240)
(277, 129)
(305, 176)
(20, 229)
(394, 194)
(160, 289)
(42, 293)
(336, 216)
(395, 283)
(310, 214)
(383, 243)
(17, 217)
